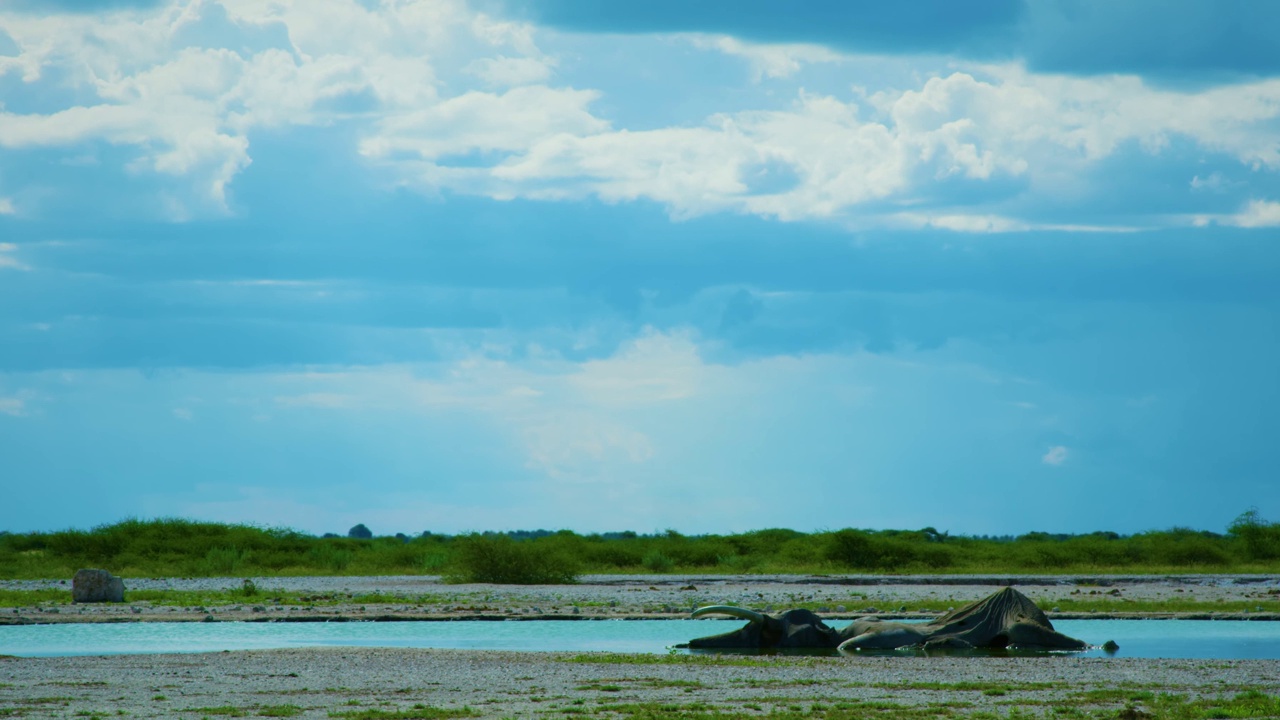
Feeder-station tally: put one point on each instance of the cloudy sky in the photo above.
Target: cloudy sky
(713, 266)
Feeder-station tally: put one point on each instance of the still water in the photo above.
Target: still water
(1219, 639)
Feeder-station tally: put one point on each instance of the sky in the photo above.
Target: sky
(458, 265)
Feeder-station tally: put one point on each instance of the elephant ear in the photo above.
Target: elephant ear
(730, 610)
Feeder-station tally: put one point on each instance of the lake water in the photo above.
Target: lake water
(1219, 639)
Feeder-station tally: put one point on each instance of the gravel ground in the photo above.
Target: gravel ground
(327, 682)
(637, 596)
(318, 683)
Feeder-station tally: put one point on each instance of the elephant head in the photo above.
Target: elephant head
(791, 629)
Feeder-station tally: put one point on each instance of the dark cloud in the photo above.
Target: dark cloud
(910, 25)
(1190, 42)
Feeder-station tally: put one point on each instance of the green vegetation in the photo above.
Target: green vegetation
(606, 658)
(279, 711)
(501, 559)
(1249, 704)
(183, 548)
(417, 712)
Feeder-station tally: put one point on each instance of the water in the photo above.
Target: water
(1220, 639)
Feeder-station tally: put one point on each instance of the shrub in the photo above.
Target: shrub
(499, 559)
(223, 561)
(656, 561)
(1261, 539)
(330, 556)
(850, 548)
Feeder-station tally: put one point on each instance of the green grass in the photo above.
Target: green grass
(222, 710)
(417, 712)
(279, 711)
(605, 658)
(183, 548)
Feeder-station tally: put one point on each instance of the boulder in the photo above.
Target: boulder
(91, 585)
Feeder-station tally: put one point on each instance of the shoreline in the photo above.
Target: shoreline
(427, 598)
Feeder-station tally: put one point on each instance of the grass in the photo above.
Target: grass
(183, 548)
(606, 658)
(478, 603)
(417, 712)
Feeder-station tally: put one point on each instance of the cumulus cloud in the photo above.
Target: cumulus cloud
(179, 84)
(1258, 213)
(1056, 455)
(182, 85)
(1255, 214)
(768, 60)
(846, 153)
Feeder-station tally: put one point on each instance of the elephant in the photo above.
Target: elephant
(1003, 619)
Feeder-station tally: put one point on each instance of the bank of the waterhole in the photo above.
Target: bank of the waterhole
(406, 683)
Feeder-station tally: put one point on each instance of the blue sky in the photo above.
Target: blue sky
(445, 265)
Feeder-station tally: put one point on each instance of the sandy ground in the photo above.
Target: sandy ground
(407, 683)
(641, 596)
(321, 683)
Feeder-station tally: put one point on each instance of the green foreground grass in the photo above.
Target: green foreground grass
(182, 548)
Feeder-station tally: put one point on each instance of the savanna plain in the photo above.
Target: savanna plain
(180, 570)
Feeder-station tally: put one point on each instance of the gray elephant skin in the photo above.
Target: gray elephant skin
(1006, 618)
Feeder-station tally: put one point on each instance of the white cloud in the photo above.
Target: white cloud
(182, 413)
(843, 153)
(7, 260)
(6, 206)
(318, 400)
(400, 73)
(768, 60)
(1258, 213)
(1056, 455)
(1255, 214)
(188, 108)
(508, 71)
(13, 406)
(990, 224)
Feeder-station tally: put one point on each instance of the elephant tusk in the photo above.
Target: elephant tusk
(737, 612)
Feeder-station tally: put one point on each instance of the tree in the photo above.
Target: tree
(360, 532)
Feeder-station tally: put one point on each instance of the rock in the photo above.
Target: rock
(1110, 646)
(91, 586)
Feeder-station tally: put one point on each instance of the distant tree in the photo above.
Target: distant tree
(360, 532)
(1261, 538)
(330, 535)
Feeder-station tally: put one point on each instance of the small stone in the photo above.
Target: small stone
(1055, 609)
(840, 608)
(136, 610)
